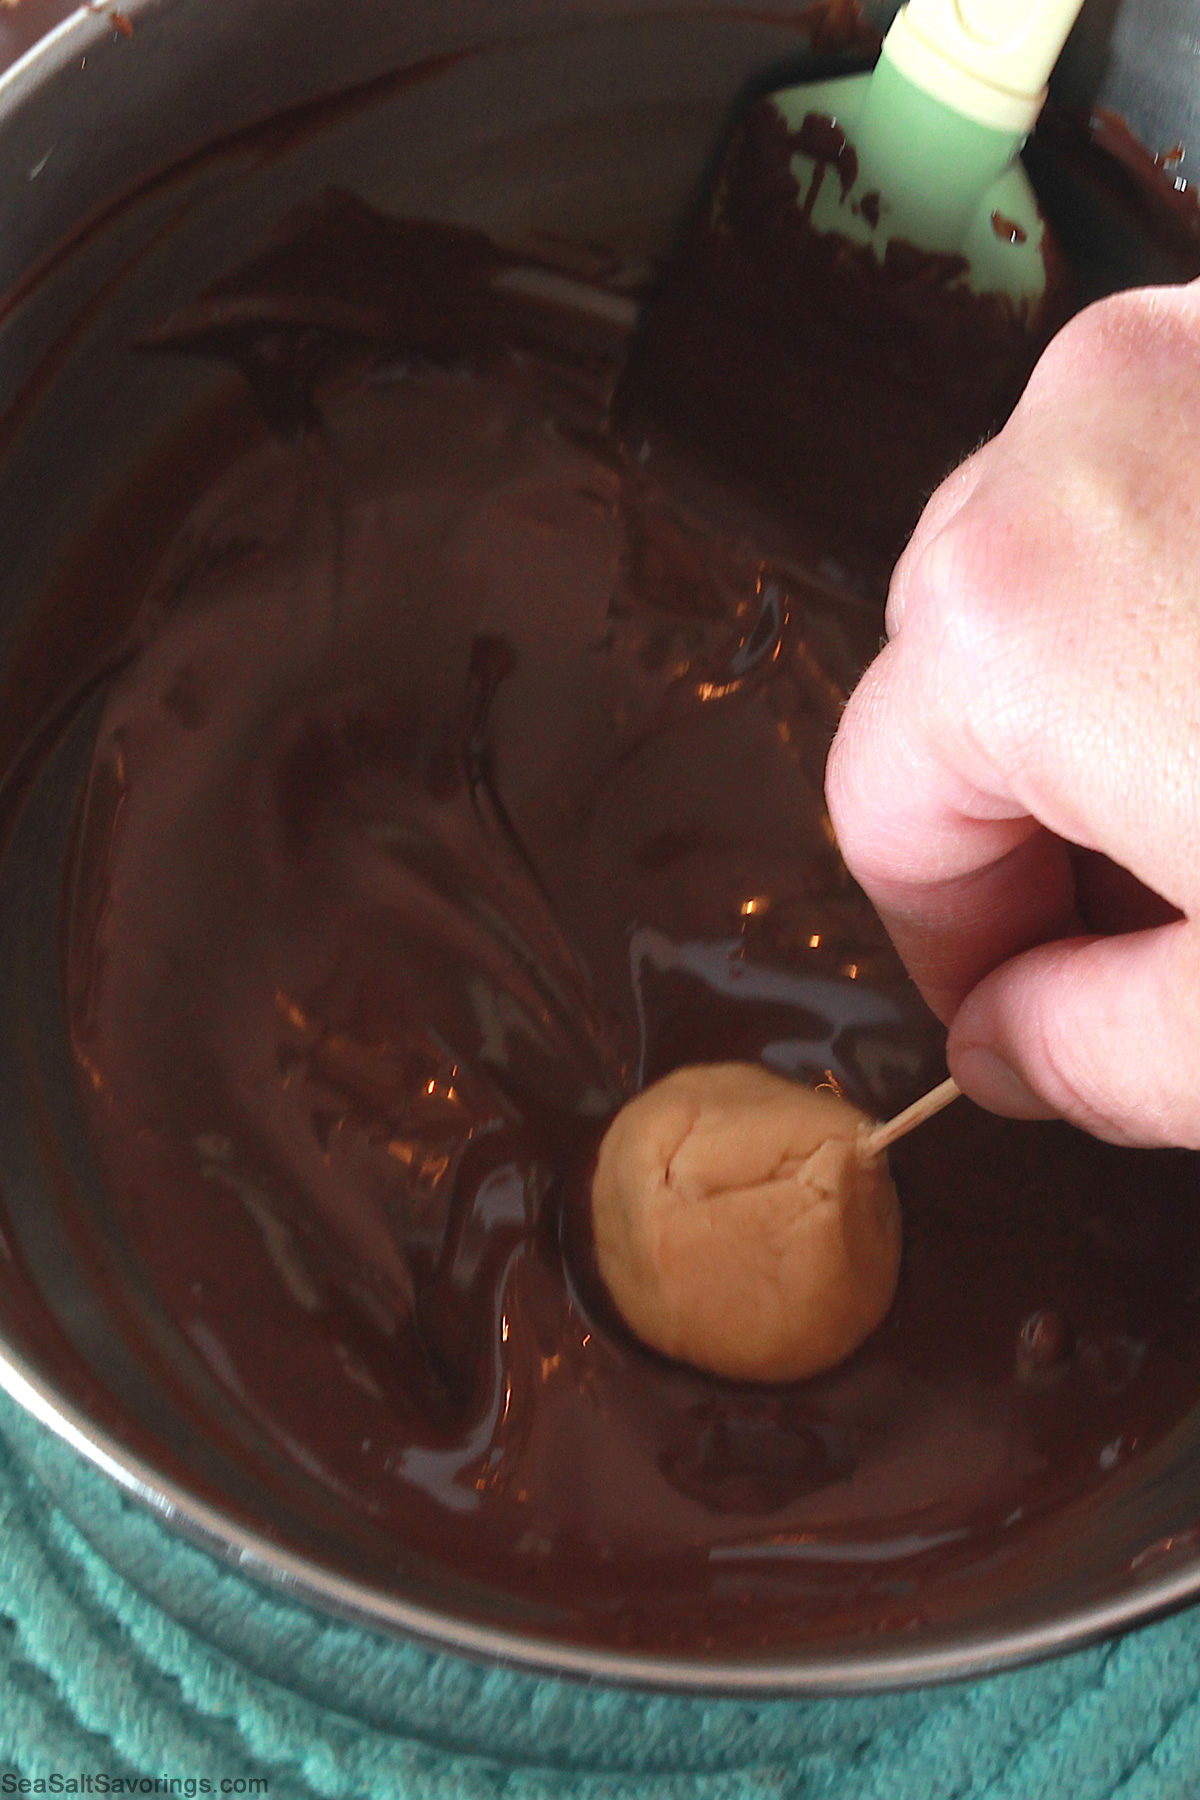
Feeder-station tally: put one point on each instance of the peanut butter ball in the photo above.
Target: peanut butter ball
(743, 1226)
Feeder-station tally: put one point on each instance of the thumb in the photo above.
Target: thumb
(1106, 1031)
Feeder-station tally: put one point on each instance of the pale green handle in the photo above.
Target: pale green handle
(931, 165)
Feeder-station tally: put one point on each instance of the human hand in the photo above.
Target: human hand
(1016, 780)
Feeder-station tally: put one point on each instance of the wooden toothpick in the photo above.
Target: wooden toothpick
(876, 1141)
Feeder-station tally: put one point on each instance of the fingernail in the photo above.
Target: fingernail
(991, 1083)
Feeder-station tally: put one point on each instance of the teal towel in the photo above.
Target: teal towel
(176, 1667)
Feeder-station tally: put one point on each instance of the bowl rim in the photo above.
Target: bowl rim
(77, 30)
(793, 1674)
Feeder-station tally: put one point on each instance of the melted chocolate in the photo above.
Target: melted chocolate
(466, 775)
(1007, 229)
(827, 144)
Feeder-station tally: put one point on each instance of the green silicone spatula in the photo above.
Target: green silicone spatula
(938, 128)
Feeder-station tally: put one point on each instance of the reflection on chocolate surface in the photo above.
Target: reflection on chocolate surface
(466, 776)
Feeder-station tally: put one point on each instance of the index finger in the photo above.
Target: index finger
(963, 877)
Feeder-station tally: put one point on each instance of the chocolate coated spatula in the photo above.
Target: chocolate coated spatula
(862, 298)
(933, 135)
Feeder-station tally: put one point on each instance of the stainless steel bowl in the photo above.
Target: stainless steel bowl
(593, 118)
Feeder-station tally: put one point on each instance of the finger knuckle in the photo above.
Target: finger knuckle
(967, 583)
(1136, 335)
